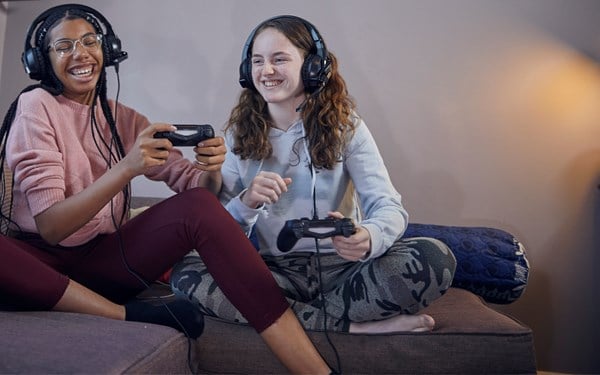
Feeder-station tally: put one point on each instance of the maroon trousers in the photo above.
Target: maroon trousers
(35, 274)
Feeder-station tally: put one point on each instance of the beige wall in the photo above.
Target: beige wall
(3, 15)
(486, 111)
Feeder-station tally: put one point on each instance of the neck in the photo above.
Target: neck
(284, 115)
(283, 119)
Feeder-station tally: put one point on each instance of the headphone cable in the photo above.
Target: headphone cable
(320, 274)
(117, 225)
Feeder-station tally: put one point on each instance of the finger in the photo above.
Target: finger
(269, 195)
(263, 178)
(271, 176)
(158, 127)
(210, 159)
(160, 144)
(273, 185)
(348, 256)
(207, 149)
(335, 214)
(207, 168)
(265, 184)
(279, 184)
(212, 142)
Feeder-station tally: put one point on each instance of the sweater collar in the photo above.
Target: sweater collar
(81, 109)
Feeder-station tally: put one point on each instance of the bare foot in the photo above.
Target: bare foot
(399, 323)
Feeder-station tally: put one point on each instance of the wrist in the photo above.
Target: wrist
(255, 205)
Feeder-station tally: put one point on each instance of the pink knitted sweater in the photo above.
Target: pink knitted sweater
(52, 152)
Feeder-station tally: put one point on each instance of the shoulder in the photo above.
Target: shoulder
(360, 132)
(360, 141)
(37, 98)
(127, 115)
(38, 104)
(123, 109)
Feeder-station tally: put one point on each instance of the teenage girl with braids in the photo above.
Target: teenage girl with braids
(297, 148)
(72, 154)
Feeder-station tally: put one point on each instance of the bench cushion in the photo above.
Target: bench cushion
(470, 337)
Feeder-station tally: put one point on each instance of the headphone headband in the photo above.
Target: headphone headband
(33, 56)
(316, 68)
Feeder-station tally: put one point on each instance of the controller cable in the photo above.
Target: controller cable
(319, 278)
(127, 201)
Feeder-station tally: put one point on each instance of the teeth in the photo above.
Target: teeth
(272, 83)
(80, 72)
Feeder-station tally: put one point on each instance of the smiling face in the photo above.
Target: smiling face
(276, 66)
(79, 72)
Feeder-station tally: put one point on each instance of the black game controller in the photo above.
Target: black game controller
(200, 133)
(295, 229)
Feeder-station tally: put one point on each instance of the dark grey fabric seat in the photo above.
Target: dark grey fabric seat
(470, 338)
(55, 342)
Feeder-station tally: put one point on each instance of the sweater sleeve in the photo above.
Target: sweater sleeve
(384, 216)
(233, 188)
(178, 172)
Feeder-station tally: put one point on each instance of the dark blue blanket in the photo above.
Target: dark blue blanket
(490, 262)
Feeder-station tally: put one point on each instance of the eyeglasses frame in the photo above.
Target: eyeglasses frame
(52, 46)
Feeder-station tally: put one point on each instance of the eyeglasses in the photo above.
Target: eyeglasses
(66, 47)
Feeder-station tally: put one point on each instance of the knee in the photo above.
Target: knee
(443, 252)
(436, 254)
(442, 259)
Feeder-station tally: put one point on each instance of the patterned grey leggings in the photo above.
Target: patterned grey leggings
(407, 278)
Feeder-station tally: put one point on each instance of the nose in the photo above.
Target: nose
(268, 68)
(77, 50)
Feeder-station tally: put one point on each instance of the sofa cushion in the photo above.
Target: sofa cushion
(469, 337)
(56, 342)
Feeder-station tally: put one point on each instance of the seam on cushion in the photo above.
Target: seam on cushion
(144, 361)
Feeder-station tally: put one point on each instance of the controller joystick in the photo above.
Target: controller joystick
(198, 134)
(295, 229)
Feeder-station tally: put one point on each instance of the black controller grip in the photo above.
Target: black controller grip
(200, 133)
(295, 229)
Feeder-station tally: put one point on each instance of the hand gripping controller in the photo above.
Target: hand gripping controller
(200, 133)
(295, 229)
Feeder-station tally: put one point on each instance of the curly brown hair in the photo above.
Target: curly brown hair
(329, 115)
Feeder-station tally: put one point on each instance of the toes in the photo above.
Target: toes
(426, 323)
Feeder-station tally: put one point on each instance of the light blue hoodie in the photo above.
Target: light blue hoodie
(362, 173)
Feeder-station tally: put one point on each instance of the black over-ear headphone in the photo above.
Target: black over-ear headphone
(33, 57)
(316, 68)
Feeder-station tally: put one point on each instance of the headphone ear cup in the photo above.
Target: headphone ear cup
(246, 74)
(314, 73)
(113, 50)
(33, 62)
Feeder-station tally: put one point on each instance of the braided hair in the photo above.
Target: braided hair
(54, 86)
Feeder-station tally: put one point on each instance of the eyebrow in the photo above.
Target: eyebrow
(276, 54)
(84, 35)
